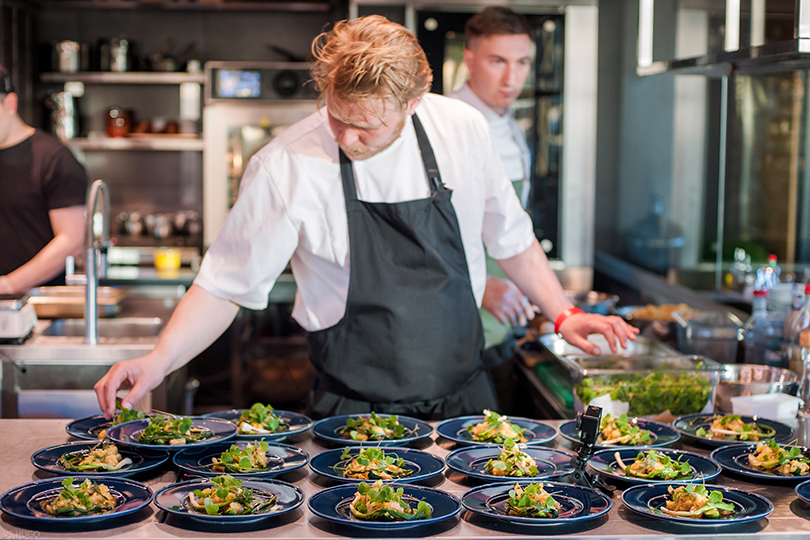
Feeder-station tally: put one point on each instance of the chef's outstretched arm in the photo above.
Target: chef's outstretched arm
(533, 275)
(199, 319)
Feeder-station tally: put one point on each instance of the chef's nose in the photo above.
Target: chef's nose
(509, 75)
(347, 136)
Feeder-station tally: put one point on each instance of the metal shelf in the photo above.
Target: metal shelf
(133, 77)
(230, 5)
(161, 143)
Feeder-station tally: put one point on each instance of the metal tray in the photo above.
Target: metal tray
(68, 302)
(642, 346)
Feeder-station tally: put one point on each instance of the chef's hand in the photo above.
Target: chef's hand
(505, 301)
(576, 329)
(140, 375)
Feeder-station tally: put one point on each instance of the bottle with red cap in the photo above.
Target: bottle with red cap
(794, 326)
(762, 334)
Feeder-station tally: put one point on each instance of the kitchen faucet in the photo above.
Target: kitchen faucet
(96, 262)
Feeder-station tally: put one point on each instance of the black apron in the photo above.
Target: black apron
(410, 341)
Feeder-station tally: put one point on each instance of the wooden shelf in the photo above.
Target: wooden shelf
(160, 142)
(132, 77)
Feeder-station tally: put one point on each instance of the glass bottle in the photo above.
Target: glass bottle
(804, 388)
(762, 333)
(795, 323)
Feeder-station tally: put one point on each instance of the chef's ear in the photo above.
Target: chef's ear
(10, 102)
(412, 105)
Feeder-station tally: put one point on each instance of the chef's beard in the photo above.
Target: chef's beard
(359, 152)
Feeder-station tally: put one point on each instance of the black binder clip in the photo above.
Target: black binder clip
(588, 427)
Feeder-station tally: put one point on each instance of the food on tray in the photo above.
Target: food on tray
(125, 415)
(372, 428)
(621, 430)
(227, 497)
(655, 465)
(773, 458)
(172, 431)
(251, 458)
(100, 457)
(695, 501)
(496, 429)
(661, 313)
(512, 461)
(381, 502)
(260, 419)
(87, 498)
(371, 464)
(532, 501)
(730, 427)
(650, 393)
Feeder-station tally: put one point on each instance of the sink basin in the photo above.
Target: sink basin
(130, 327)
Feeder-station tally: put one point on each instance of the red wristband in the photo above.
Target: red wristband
(563, 316)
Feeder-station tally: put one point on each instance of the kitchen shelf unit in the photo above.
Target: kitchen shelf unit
(161, 143)
(131, 77)
(301, 6)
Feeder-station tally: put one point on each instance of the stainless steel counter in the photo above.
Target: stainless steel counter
(21, 438)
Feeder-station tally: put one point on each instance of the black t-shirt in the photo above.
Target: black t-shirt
(36, 176)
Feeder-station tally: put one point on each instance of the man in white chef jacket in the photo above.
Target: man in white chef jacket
(498, 56)
(382, 202)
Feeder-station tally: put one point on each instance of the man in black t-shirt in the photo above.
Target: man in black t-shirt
(42, 192)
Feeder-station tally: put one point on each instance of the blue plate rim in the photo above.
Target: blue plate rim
(339, 421)
(546, 522)
(804, 486)
(632, 480)
(56, 482)
(497, 448)
(85, 435)
(112, 434)
(160, 457)
(267, 436)
(698, 522)
(713, 442)
(227, 444)
(660, 425)
(441, 429)
(327, 454)
(735, 449)
(225, 519)
(383, 525)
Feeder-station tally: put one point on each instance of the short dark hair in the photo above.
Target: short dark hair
(496, 20)
(5, 81)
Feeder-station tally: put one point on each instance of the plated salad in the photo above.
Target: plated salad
(652, 464)
(372, 428)
(227, 497)
(773, 458)
(512, 461)
(532, 501)
(496, 428)
(382, 502)
(695, 501)
(172, 431)
(371, 464)
(730, 427)
(252, 458)
(621, 430)
(84, 499)
(101, 457)
(122, 415)
(260, 419)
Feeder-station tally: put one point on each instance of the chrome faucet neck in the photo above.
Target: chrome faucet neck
(96, 257)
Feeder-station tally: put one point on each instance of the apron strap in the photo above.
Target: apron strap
(428, 160)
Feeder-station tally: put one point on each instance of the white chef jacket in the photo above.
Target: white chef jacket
(509, 139)
(291, 208)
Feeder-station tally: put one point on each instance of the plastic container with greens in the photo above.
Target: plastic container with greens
(645, 385)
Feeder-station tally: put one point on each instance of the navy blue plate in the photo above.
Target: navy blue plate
(648, 498)
(174, 499)
(803, 491)
(87, 428)
(422, 464)
(578, 503)
(23, 502)
(415, 430)
(687, 426)
(734, 458)
(297, 423)
(604, 462)
(332, 504)
(128, 432)
(282, 458)
(661, 434)
(455, 429)
(471, 461)
(47, 459)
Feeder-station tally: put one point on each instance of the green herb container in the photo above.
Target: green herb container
(650, 385)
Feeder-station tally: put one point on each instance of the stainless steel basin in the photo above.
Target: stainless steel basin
(130, 327)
